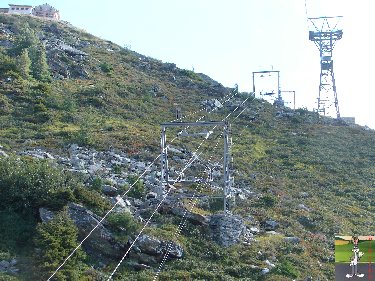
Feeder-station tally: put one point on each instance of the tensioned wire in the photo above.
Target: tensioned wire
(126, 192)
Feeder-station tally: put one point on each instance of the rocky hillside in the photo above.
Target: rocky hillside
(80, 121)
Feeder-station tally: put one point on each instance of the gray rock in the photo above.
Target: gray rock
(137, 202)
(78, 163)
(303, 207)
(150, 250)
(307, 222)
(175, 250)
(265, 271)
(304, 194)
(120, 202)
(272, 232)
(139, 266)
(270, 264)
(270, 225)
(192, 217)
(254, 230)
(73, 148)
(4, 265)
(227, 230)
(13, 270)
(71, 50)
(101, 242)
(151, 195)
(143, 258)
(212, 105)
(3, 153)
(45, 215)
(109, 190)
(148, 245)
(293, 240)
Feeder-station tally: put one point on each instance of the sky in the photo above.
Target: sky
(230, 39)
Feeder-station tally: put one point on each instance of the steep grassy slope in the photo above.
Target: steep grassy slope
(312, 175)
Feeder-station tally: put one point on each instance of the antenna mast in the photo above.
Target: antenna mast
(325, 36)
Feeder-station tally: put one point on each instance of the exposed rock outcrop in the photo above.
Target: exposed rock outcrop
(227, 230)
(150, 250)
(101, 242)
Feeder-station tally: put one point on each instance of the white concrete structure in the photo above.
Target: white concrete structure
(20, 9)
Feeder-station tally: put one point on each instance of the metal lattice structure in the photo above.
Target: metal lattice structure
(228, 179)
(325, 36)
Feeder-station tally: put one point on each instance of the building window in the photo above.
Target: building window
(13, 8)
(17, 8)
(21, 8)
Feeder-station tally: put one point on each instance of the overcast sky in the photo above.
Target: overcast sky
(229, 39)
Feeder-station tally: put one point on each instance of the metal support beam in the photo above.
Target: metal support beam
(227, 159)
(192, 124)
(228, 179)
(278, 98)
(164, 156)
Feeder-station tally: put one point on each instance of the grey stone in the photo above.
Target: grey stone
(73, 148)
(45, 215)
(303, 207)
(148, 245)
(139, 266)
(212, 105)
(13, 270)
(272, 232)
(254, 230)
(101, 242)
(120, 202)
(192, 217)
(270, 264)
(149, 249)
(143, 258)
(270, 225)
(109, 190)
(71, 50)
(4, 265)
(265, 271)
(78, 163)
(227, 230)
(175, 250)
(151, 195)
(293, 240)
(304, 194)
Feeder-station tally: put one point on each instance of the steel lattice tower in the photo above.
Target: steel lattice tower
(325, 36)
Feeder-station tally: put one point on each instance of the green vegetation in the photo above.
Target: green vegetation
(55, 240)
(120, 103)
(137, 189)
(28, 184)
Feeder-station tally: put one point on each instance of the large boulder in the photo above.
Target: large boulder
(212, 104)
(150, 250)
(270, 225)
(227, 230)
(101, 243)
